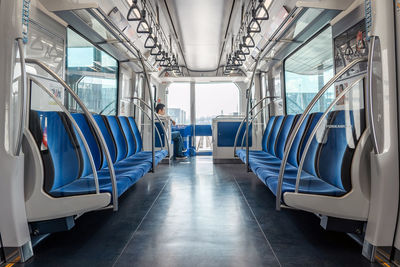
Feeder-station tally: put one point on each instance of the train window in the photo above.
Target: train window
(213, 99)
(179, 102)
(307, 71)
(93, 74)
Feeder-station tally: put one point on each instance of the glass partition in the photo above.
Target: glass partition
(213, 99)
(179, 102)
(307, 71)
(92, 74)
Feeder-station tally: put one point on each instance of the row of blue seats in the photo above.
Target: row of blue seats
(67, 168)
(327, 166)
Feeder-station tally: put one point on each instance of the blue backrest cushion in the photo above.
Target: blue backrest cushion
(92, 142)
(283, 135)
(274, 134)
(108, 139)
(335, 155)
(136, 133)
(310, 161)
(159, 135)
(59, 143)
(267, 131)
(130, 139)
(119, 137)
(294, 150)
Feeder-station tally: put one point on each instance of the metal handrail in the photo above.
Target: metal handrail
(300, 122)
(144, 112)
(244, 119)
(92, 122)
(85, 144)
(255, 116)
(156, 115)
(22, 95)
(152, 113)
(307, 146)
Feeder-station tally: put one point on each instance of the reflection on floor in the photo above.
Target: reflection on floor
(195, 213)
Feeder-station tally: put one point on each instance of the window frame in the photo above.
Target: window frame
(315, 35)
(66, 101)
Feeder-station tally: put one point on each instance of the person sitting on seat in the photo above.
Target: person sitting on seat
(175, 135)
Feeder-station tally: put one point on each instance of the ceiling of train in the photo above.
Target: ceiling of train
(201, 26)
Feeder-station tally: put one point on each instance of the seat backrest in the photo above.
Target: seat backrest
(130, 139)
(310, 160)
(274, 134)
(334, 154)
(61, 155)
(136, 133)
(159, 136)
(294, 150)
(283, 135)
(119, 137)
(92, 142)
(267, 131)
(106, 132)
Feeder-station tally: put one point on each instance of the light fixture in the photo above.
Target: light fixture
(134, 12)
(151, 41)
(143, 26)
(261, 12)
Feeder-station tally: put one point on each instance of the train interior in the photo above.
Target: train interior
(199, 133)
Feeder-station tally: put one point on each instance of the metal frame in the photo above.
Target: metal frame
(300, 122)
(255, 116)
(248, 96)
(85, 144)
(156, 115)
(22, 91)
(91, 121)
(148, 116)
(307, 146)
(244, 119)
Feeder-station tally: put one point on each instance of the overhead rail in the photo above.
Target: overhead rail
(92, 123)
(244, 119)
(300, 121)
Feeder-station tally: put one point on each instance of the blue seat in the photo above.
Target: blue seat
(327, 165)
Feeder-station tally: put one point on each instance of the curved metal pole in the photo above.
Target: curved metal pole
(157, 117)
(303, 156)
(244, 119)
(302, 118)
(22, 92)
(152, 113)
(248, 95)
(92, 122)
(144, 112)
(254, 117)
(85, 144)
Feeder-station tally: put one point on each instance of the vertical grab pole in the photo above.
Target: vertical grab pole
(152, 113)
(248, 96)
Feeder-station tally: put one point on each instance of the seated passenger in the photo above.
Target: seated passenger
(175, 135)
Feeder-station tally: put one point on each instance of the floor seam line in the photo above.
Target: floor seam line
(140, 224)
(258, 223)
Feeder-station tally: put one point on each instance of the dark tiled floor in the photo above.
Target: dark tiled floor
(196, 213)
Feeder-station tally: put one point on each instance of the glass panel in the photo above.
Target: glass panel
(307, 71)
(213, 99)
(179, 102)
(92, 74)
